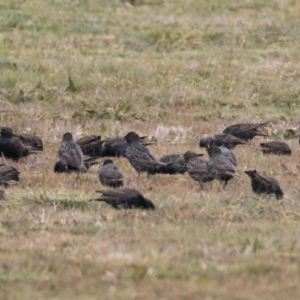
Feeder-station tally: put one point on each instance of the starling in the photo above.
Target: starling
(31, 140)
(8, 175)
(193, 159)
(87, 161)
(125, 198)
(139, 156)
(12, 147)
(110, 175)
(91, 145)
(174, 164)
(212, 150)
(227, 140)
(245, 131)
(197, 168)
(116, 147)
(264, 185)
(275, 147)
(220, 166)
(2, 197)
(70, 154)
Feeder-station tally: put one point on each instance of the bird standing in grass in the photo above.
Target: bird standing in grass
(220, 166)
(70, 154)
(197, 168)
(264, 185)
(125, 198)
(213, 150)
(139, 156)
(110, 175)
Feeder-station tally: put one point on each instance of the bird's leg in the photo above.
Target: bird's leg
(67, 169)
(77, 177)
(219, 189)
(225, 184)
(201, 186)
(4, 158)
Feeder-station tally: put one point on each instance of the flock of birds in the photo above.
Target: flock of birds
(79, 156)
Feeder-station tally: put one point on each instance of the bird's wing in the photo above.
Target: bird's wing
(89, 139)
(268, 180)
(116, 194)
(199, 171)
(31, 140)
(148, 162)
(280, 146)
(111, 174)
(72, 157)
(228, 138)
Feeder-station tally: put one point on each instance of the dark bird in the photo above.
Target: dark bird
(223, 139)
(70, 154)
(116, 147)
(197, 168)
(275, 147)
(174, 164)
(8, 175)
(220, 166)
(91, 145)
(245, 131)
(125, 198)
(87, 161)
(12, 147)
(139, 156)
(264, 185)
(31, 140)
(110, 175)
(213, 149)
(2, 195)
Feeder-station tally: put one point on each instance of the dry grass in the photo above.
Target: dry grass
(173, 70)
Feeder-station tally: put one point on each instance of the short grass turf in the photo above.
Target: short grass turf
(172, 70)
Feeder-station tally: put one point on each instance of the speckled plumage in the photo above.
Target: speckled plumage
(213, 149)
(264, 185)
(197, 168)
(139, 156)
(70, 154)
(125, 198)
(110, 175)
(220, 166)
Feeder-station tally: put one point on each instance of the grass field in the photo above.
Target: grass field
(172, 70)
